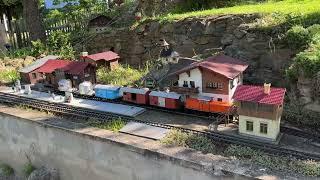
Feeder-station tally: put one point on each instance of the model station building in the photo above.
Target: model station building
(260, 110)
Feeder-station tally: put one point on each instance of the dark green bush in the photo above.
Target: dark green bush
(28, 169)
(201, 143)
(6, 170)
(298, 37)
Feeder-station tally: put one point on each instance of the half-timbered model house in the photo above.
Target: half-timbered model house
(108, 59)
(29, 74)
(210, 84)
(55, 70)
(260, 110)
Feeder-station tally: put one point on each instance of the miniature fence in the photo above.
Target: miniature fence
(18, 37)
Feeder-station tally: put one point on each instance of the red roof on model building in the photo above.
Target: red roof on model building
(257, 94)
(71, 67)
(107, 56)
(221, 64)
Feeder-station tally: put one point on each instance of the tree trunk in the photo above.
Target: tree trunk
(33, 20)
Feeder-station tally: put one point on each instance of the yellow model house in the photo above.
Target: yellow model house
(260, 109)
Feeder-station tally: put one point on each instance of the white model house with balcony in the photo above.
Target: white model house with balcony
(216, 78)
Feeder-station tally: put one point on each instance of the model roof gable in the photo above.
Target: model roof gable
(221, 64)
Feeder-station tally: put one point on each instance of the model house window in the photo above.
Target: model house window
(192, 84)
(231, 84)
(34, 75)
(220, 85)
(249, 126)
(212, 85)
(209, 85)
(263, 128)
(185, 83)
(220, 99)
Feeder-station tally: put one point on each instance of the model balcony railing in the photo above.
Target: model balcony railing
(184, 90)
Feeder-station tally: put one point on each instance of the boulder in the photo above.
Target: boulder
(44, 173)
(227, 39)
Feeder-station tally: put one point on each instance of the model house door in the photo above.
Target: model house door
(162, 102)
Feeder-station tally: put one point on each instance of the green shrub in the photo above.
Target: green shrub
(241, 151)
(314, 29)
(113, 125)
(120, 76)
(201, 143)
(19, 53)
(275, 162)
(298, 37)
(176, 138)
(38, 48)
(9, 76)
(59, 43)
(6, 169)
(28, 169)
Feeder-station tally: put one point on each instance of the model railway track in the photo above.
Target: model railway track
(300, 133)
(103, 116)
(284, 129)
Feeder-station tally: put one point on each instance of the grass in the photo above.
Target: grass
(9, 76)
(113, 125)
(6, 170)
(28, 169)
(303, 7)
(178, 138)
(274, 162)
(280, 163)
(121, 76)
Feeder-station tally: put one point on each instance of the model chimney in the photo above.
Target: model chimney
(84, 54)
(267, 88)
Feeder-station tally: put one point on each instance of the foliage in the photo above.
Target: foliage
(9, 76)
(28, 169)
(59, 44)
(201, 143)
(191, 5)
(20, 53)
(306, 167)
(297, 115)
(306, 63)
(302, 9)
(113, 125)
(6, 169)
(120, 76)
(298, 37)
(176, 138)
(38, 48)
(179, 138)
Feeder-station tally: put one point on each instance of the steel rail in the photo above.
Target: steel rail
(103, 116)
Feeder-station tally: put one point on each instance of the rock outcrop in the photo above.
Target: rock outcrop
(206, 36)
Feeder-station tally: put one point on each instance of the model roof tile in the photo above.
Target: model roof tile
(38, 63)
(71, 67)
(221, 64)
(107, 56)
(256, 94)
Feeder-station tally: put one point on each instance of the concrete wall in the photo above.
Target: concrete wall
(273, 127)
(82, 157)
